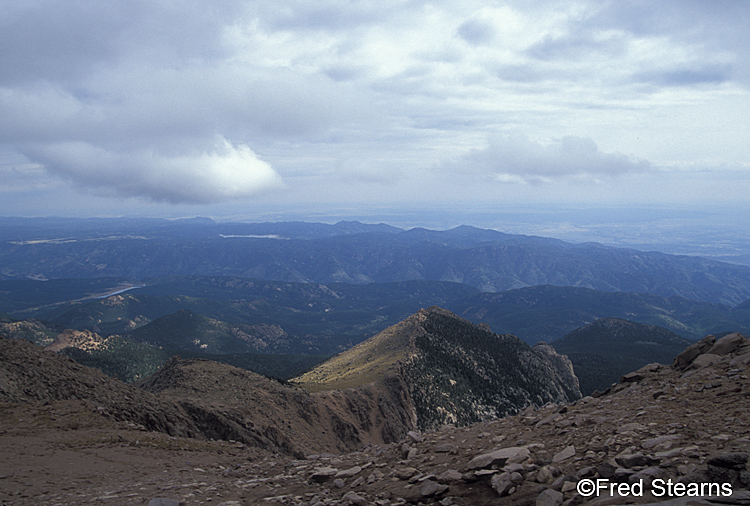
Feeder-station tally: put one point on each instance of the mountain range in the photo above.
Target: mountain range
(351, 252)
(280, 329)
(347, 314)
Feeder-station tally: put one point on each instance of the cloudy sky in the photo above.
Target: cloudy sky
(228, 108)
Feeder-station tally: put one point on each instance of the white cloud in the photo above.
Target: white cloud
(225, 173)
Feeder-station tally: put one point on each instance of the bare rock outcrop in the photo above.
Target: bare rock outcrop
(684, 359)
(562, 366)
(709, 351)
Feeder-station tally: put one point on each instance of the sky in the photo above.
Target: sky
(248, 109)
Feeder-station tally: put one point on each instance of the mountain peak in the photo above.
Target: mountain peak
(436, 310)
(378, 357)
(455, 371)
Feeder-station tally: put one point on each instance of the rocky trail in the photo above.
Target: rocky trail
(668, 429)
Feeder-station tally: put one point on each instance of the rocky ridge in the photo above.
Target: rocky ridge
(234, 404)
(432, 368)
(30, 374)
(686, 422)
(205, 400)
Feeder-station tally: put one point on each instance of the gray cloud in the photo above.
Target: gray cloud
(577, 46)
(685, 19)
(65, 41)
(516, 158)
(684, 76)
(325, 14)
(520, 73)
(130, 97)
(477, 31)
(712, 33)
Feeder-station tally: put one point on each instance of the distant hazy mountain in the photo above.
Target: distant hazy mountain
(351, 252)
(61, 230)
(608, 348)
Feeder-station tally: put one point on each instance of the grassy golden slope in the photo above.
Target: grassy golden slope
(369, 361)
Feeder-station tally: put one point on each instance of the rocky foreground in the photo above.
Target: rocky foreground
(656, 436)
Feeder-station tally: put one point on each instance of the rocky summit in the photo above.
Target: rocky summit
(678, 433)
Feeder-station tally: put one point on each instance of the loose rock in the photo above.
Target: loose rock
(550, 497)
